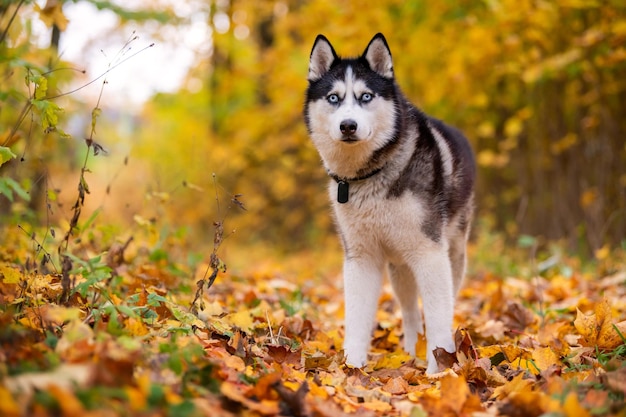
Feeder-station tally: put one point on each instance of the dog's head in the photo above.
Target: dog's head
(351, 102)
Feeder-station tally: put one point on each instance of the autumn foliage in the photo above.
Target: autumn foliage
(268, 344)
(193, 270)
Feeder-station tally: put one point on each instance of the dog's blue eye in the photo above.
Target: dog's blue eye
(333, 98)
(366, 97)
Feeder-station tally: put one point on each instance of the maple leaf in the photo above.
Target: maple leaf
(598, 329)
(455, 398)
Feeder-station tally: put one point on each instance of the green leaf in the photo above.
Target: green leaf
(183, 409)
(526, 241)
(5, 190)
(93, 216)
(6, 155)
(8, 186)
(155, 300)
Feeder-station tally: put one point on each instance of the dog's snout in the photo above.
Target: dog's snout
(348, 127)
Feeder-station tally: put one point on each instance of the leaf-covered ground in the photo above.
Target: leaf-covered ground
(126, 342)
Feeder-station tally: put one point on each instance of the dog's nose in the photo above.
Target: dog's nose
(348, 127)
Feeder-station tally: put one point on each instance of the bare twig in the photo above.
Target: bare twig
(215, 263)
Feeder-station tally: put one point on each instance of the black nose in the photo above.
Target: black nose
(348, 127)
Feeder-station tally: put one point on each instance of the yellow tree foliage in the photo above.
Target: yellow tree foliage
(538, 87)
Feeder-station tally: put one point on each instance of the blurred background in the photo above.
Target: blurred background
(200, 108)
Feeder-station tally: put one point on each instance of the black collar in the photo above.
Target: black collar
(343, 188)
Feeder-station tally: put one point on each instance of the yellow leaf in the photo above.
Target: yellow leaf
(531, 403)
(526, 364)
(70, 405)
(8, 406)
(514, 386)
(602, 253)
(513, 126)
(421, 346)
(242, 320)
(486, 158)
(586, 327)
(52, 14)
(235, 362)
(572, 408)
(598, 329)
(544, 358)
(317, 391)
(58, 314)
(136, 399)
(10, 275)
(392, 360)
(510, 352)
(564, 143)
(378, 406)
(136, 327)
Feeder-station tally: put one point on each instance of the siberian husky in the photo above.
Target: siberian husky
(401, 186)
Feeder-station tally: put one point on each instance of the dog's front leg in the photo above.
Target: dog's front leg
(434, 275)
(362, 282)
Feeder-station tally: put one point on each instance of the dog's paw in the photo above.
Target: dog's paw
(355, 359)
(356, 364)
(432, 368)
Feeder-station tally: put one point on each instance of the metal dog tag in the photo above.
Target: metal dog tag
(343, 189)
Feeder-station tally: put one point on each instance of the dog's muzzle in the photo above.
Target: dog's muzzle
(348, 129)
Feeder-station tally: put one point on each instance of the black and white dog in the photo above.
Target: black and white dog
(402, 194)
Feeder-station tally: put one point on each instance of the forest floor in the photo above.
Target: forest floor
(125, 339)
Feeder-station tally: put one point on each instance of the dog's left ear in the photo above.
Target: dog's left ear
(378, 55)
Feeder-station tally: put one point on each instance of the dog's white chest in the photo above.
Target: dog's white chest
(374, 223)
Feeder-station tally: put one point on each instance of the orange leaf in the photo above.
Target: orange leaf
(396, 386)
(70, 406)
(265, 407)
(455, 398)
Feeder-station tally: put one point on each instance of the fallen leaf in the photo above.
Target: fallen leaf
(264, 407)
(597, 329)
(8, 405)
(65, 376)
(9, 274)
(69, 404)
(518, 385)
(616, 380)
(492, 328)
(517, 317)
(545, 357)
(396, 386)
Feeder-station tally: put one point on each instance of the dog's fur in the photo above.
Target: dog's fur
(408, 180)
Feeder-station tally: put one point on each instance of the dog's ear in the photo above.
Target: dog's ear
(322, 57)
(378, 56)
